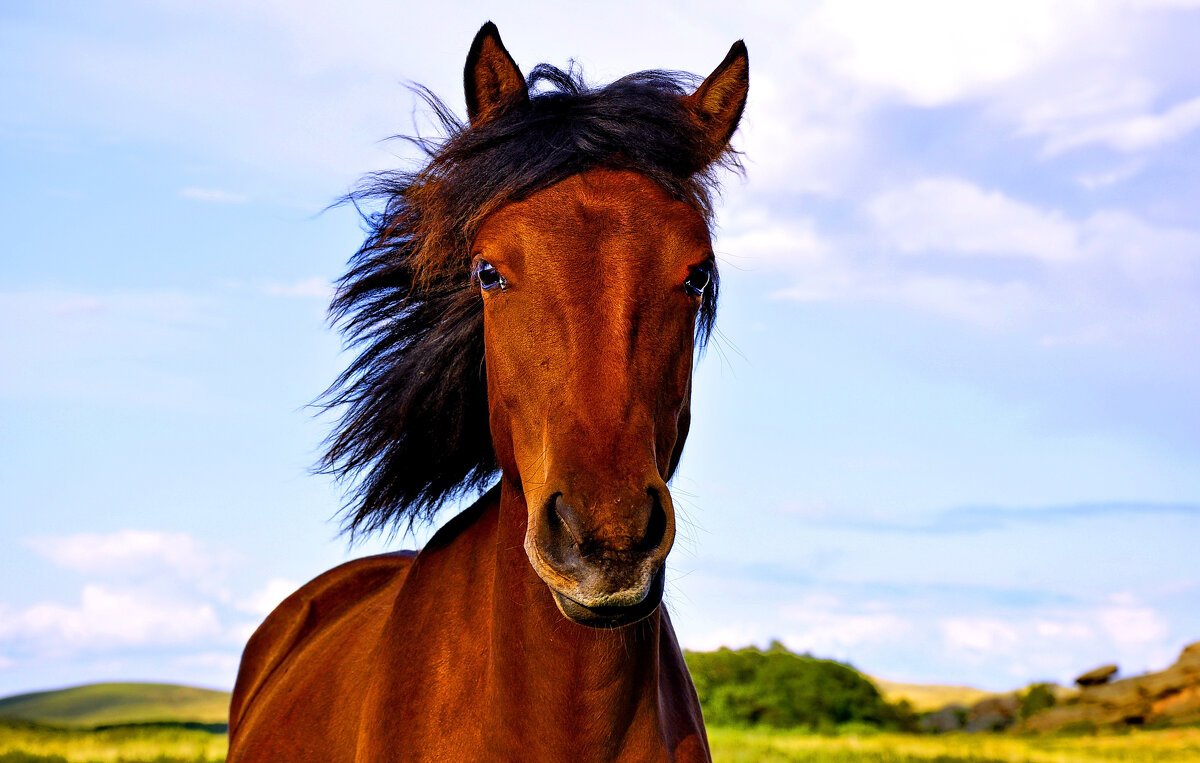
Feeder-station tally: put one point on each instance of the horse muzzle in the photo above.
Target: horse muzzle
(604, 569)
(613, 616)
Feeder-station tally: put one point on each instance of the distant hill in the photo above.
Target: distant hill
(117, 703)
(926, 697)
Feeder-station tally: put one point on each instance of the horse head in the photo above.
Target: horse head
(592, 288)
(528, 302)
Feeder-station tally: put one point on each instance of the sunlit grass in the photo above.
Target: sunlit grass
(34, 744)
(21, 743)
(738, 746)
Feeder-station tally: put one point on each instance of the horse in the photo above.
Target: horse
(525, 309)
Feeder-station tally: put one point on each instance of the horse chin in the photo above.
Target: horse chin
(612, 617)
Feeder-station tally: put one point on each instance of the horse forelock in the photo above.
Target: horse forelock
(413, 430)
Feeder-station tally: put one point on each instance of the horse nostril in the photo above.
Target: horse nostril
(618, 528)
(656, 524)
(563, 517)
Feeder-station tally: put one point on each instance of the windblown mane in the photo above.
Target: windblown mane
(413, 429)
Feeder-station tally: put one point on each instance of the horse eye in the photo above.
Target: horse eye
(698, 280)
(488, 277)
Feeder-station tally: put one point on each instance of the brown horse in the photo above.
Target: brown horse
(527, 303)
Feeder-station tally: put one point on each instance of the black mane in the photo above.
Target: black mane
(413, 429)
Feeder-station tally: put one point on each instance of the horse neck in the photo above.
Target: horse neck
(608, 679)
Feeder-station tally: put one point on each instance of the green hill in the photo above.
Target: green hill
(780, 689)
(109, 704)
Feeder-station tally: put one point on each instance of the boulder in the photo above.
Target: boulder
(994, 714)
(1096, 676)
(949, 718)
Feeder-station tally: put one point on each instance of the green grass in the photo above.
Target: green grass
(162, 723)
(742, 746)
(22, 742)
(117, 703)
(30, 743)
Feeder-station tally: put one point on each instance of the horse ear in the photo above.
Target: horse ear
(719, 101)
(492, 80)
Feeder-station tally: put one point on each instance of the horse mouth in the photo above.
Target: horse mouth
(612, 617)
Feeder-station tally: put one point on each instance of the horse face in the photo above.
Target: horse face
(591, 289)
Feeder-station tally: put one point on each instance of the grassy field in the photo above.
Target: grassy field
(30, 743)
(26, 743)
(736, 746)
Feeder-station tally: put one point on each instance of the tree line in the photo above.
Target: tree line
(781, 689)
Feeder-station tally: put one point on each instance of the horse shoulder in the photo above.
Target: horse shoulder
(331, 598)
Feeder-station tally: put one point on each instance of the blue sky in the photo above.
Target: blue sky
(949, 431)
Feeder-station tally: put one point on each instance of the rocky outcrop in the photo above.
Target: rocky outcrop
(949, 718)
(1167, 698)
(995, 714)
(991, 714)
(1096, 676)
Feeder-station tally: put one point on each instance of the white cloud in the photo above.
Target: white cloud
(970, 300)
(803, 131)
(110, 618)
(1056, 629)
(126, 552)
(823, 625)
(1058, 114)
(815, 623)
(223, 663)
(980, 634)
(1131, 624)
(1127, 133)
(947, 246)
(1067, 113)
(1106, 178)
(156, 589)
(1071, 72)
(240, 633)
(975, 301)
(1062, 643)
(953, 216)
(322, 86)
(734, 636)
(150, 568)
(753, 238)
(265, 599)
(932, 52)
(840, 634)
(1146, 254)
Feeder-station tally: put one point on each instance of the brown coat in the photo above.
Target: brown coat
(458, 653)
